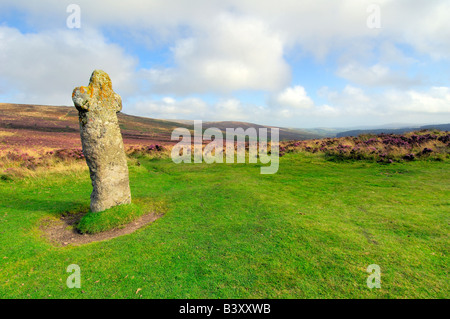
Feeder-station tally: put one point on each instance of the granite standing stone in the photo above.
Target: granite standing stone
(102, 143)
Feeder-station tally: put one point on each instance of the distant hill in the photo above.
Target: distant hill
(285, 133)
(43, 126)
(442, 127)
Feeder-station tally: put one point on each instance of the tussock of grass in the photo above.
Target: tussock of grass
(117, 216)
(16, 165)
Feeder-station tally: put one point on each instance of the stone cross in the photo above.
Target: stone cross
(102, 143)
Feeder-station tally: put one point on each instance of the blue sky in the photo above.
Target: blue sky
(288, 63)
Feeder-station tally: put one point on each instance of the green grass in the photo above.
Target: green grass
(308, 231)
(114, 217)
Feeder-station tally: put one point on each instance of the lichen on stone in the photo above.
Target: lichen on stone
(102, 142)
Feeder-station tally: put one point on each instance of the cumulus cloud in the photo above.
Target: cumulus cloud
(222, 47)
(422, 24)
(377, 75)
(234, 53)
(347, 107)
(350, 101)
(318, 27)
(436, 100)
(45, 67)
(294, 107)
(420, 106)
(197, 109)
(294, 97)
(321, 27)
(170, 108)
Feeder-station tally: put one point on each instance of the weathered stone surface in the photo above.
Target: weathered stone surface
(102, 143)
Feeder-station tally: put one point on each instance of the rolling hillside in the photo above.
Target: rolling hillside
(41, 126)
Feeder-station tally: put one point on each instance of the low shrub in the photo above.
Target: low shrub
(382, 148)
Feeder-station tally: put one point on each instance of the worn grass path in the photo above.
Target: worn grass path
(309, 231)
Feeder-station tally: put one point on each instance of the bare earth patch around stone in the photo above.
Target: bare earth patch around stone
(63, 232)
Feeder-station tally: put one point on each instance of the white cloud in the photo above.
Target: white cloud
(169, 108)
(318, 27)
(233, 53)
(293, 105)
(219, 47)
(349, 107)
(197, 109)
(230, 109)
(45, 67)
(350, 101)
(434, 101)
(294, 97)
(377, 75)
(321, 26)
(391, 54)
(353, 104)
(425, 25)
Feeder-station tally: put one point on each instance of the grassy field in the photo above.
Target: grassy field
(308, 231)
